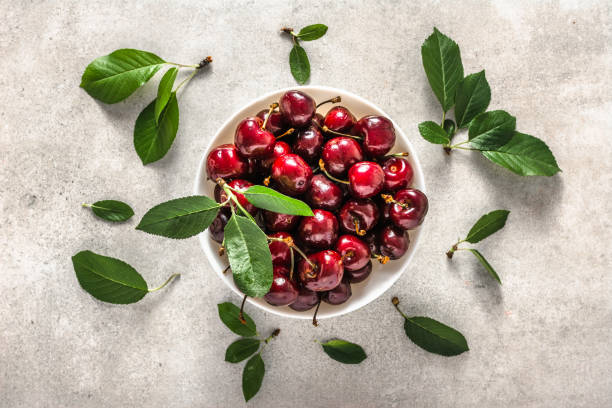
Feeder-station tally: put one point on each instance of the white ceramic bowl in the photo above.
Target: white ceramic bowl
(382, 276)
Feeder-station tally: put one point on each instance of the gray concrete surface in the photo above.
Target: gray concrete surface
(543, 339)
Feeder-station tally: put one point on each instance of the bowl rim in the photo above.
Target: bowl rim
(204, 238)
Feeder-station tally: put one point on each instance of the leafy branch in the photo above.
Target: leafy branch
(298, 59)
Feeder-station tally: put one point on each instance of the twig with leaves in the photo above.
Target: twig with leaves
(298, 59)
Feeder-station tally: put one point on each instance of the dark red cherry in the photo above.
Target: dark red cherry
(358, 216)
(378, 135)
(318, 120)
(291, 174)
(297, 108)
(385, 211)
(225, 162)
(366, 179)
(280, 251)
(276, 123)
(280, 149)
(398, 173)
(409, 209)
(308, 143)
(339, 294)
(283, 291)
(240, 185)
(324, 193)
(339, 119)
(359, 275)
(372, 240)
(393, 242)
(280, 222)
(319, 231)
(327, 271)
(339, 154)
(218, 225)
(252, 141)
(354, 252)
(307, 299)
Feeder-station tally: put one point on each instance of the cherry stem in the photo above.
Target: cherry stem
(315, 323)
(333, 132)
(358, 231)
(174, 275)
(454, 248)
(291, 244)
(403, 154)
(382, 259)
(287, 133)
(272, 107)
(275, 333)
(292, 264)
(389, 199)
(227, 268)
(335, 99)
(322, 167)
(230, 193)
(395, 302)
(241, 315)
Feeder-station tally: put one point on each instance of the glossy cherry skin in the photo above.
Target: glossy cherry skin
(364, 213)
(280, 222)
(240, 185)
(297, 108)
(393, 242)
(339, 294)
(385, 211)
(306, 300)
(339, 154)
(225, 162)
(318, 120)
(309, 143)
(319, 231)
(291, 174)
(355, 253)
(339, 119)
(252, 141)
(324, 193)
(327, 273)
(276, 124)
(216, 229)
(280, 149)
(283, 291)
(281, 253)
(366, 179)
(413, 211)
(359, 275)
(378, 135)
(398, 173)
(372, 239)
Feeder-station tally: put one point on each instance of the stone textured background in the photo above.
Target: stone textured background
(544, 338)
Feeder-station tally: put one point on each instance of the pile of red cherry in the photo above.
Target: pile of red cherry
(355, 221)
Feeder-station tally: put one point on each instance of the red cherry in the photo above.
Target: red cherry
(355, 253)
(280, 222)
(280, 251)
(320, 230)
(225, 162)
(280, 149)
(318, 120)
(308, 143)
(291, 174)
(252, 141)
(325, 275)
(409, 209)
(358, 216)
(324, 193)
(240, 185)
(393, 242)
(378, 135)
(276, 124)
(366, 179)
(398, 173)
(339, 119)
(217, 227)
(307, 299)
(359, 275)
(297, 108)
(283, 291)
(339, 154)
(339, 294)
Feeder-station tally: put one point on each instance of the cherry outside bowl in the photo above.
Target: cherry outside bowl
(382, 276)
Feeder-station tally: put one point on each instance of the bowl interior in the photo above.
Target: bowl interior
(382, 276)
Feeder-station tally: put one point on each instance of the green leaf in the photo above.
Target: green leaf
(434, 336)
(111, 210)
(344, 351)
(152, 139)
(116, 76)
(300, 66)
(252, 376)
(433, 133)
(271, 200)
(249, 256)
(473, 97)
(229, 314)
(525, 155)
(180, 218)
(491, 130)
(312, 32)
(486, 264)
(241, 350)
(164, 91)
(487, 225)
(108, 279)
(443, 67)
